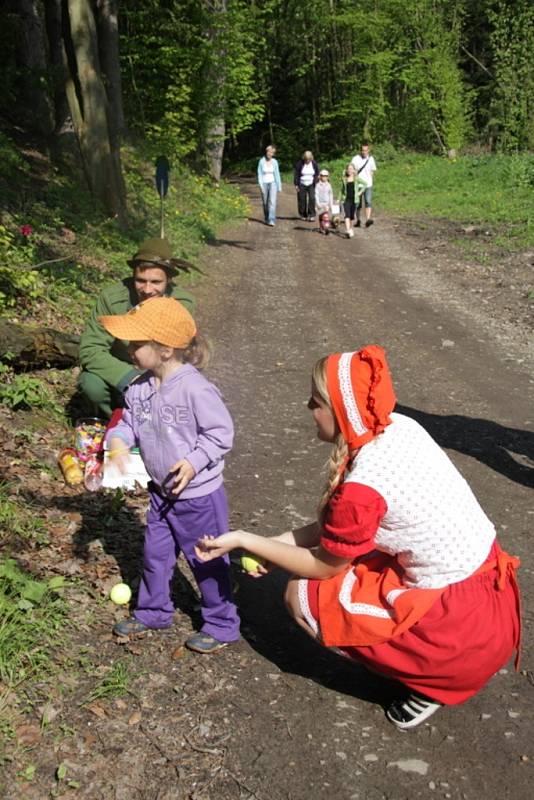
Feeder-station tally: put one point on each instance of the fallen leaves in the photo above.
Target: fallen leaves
(97, 709)
(28, 735)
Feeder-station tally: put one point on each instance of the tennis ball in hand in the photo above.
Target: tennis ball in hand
(120, 594)
(251, 563)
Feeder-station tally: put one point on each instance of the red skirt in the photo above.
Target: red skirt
(467, 635)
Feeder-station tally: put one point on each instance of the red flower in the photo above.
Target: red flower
(26, 230)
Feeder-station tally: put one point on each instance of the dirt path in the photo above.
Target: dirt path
(301, 296)
(276, 718)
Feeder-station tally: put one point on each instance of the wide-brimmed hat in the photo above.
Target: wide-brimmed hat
(158, 319)
(158, 253)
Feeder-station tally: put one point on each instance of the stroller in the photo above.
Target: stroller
(324, 223)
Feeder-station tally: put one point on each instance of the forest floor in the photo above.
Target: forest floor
(275, 717)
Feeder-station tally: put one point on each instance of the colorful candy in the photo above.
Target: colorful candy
(89, 437)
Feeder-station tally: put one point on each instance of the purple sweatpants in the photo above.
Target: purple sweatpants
(175, 526)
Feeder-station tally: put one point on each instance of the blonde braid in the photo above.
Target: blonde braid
(339, 453)
(338, 457)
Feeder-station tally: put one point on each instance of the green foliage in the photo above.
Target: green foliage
(159, 57)
(31, 616)
(24, 391)
(11, 161)
(520, 171)
(231, 57)
(184, 65)
(59, 218)
(19, 520)
(337, 72)
(116, 681)
(15, 279)
(512, 104)
(426, 74)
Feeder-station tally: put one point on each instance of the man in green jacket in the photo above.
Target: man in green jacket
(107, 369)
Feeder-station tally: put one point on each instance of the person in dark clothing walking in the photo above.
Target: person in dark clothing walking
(305, 177)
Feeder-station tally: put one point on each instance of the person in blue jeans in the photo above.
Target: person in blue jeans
(270, 183)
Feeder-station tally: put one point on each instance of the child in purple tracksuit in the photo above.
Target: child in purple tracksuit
(179, 422)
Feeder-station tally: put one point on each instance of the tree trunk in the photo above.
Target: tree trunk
(108, 46)
(108, 42)
(32, 53)
(215, 148)
(88, 103)
(36, 347)
(215, 83)
(57, 62)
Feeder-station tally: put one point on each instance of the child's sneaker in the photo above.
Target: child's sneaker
(350, 234)
(204, 643)
(129, 627)
(411, 712)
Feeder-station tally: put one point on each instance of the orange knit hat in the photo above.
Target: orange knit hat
(158, 319)
(361, 393)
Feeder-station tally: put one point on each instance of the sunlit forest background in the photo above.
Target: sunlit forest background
(213, 81)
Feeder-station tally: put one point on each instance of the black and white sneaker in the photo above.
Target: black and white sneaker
(411, 712)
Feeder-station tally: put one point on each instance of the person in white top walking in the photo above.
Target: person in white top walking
(270, 183)
(365, 167)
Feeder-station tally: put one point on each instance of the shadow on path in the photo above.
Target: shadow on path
(105, 518)
(508, 451)
(239, 243)
(269, 630)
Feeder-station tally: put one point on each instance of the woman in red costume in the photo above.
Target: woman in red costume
(402, 571)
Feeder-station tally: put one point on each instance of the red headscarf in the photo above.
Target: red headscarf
(361, 392)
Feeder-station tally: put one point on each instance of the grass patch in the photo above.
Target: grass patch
(31, 616)
(116, 682)
(496, 191)
(19, 521)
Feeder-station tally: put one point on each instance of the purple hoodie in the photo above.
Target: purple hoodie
(184, 418)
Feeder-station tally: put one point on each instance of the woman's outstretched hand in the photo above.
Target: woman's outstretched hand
(209, 547)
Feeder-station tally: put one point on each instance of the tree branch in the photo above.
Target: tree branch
(475, 59)
(29, 267)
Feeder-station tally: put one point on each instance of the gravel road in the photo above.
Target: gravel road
(306, 725)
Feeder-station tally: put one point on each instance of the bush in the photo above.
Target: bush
(520, 171)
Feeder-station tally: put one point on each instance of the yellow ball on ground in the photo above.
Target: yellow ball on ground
(251, 563)
(120, 594)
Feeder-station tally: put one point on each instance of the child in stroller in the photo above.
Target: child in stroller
(324, 199)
